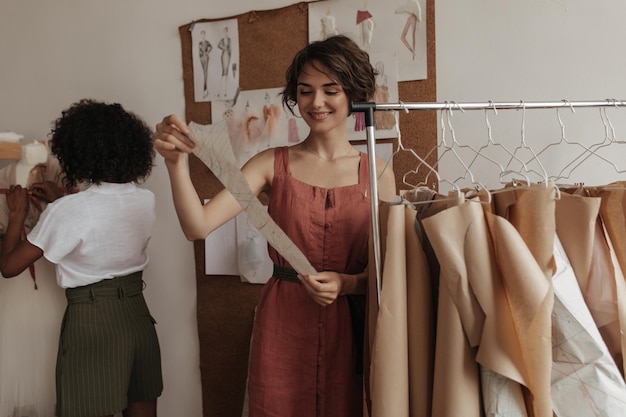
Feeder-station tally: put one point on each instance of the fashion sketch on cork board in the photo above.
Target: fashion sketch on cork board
(256, 120)
(396, 28)
(215, 53)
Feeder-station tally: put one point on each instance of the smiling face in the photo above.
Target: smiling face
(322, 101)
(341, 59)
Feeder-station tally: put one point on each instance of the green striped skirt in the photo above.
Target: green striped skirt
(109, 352)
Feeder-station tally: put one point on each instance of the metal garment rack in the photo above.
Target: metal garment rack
(368, 108)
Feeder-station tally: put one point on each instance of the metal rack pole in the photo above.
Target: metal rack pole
(490, 105)
(371, 155)
(368, 109)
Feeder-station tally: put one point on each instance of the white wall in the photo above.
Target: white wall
(536, 50)
(53, 52)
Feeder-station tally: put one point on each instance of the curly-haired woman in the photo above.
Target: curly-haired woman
(109, 357)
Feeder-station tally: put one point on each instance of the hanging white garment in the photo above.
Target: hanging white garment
(30, 320)
(585, 378)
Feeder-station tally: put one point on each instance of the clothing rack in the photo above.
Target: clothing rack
(368, 108)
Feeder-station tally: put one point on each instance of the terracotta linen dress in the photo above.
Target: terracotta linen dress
(303, 356)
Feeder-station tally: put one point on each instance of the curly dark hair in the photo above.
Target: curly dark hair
(342, 60)
(97, 142)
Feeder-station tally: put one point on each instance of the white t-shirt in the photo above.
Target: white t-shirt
(95, 234)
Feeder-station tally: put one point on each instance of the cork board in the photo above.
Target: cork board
(225, 304)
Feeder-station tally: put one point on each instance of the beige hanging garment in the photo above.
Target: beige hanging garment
(422, 292)
(576, 218)
(613, 218)
(531, 211)
(620, 282)
(461, 240)
(613, 215)
(456, 379)
(418, 321)
(456, 384)
(528, 214)
(421, 321)
(582, 235)
(389, 379)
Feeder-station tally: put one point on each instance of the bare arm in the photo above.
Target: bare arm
(16, 254)
(198, 220)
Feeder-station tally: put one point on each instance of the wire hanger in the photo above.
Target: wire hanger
(420, 161)
(467, 175)
(414, 189)
(523, 146)
(562, 138)
(445, 147)
(491, 143)
(542, 173)
(587, 151)
(592, 150)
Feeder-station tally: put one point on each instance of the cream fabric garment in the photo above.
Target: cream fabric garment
(389, 374)
(420, 320)
(528, 213)
(461, 240)
(455, 388)
(496, 307)
(30, 319)
(613, 212)
(470, 277)
(620, 281)
(456, 383)
(585, 379)
(407, 312)
(531, 211)
(613, 215)
(585, 242)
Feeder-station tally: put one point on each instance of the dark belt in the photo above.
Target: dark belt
(286, 274)
(356, 313)
(118, 287)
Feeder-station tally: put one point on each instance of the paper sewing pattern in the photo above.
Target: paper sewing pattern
(585, 378)
(214, 150)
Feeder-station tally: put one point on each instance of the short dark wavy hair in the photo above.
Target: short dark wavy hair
(97, 142)
(342, 60)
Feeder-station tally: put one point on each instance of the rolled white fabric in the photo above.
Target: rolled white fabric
(10, 137)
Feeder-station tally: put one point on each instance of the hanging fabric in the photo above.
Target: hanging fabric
(521, 290)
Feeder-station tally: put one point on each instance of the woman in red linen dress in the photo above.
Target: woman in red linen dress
(303, 359)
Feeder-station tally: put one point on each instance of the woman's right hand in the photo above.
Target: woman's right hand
(17, 202)
(171, 139)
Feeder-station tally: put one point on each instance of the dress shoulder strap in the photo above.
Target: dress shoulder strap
(364, 172)
(281, 161)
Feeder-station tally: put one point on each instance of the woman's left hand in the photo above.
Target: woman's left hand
(47, 191)
(324, 288)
